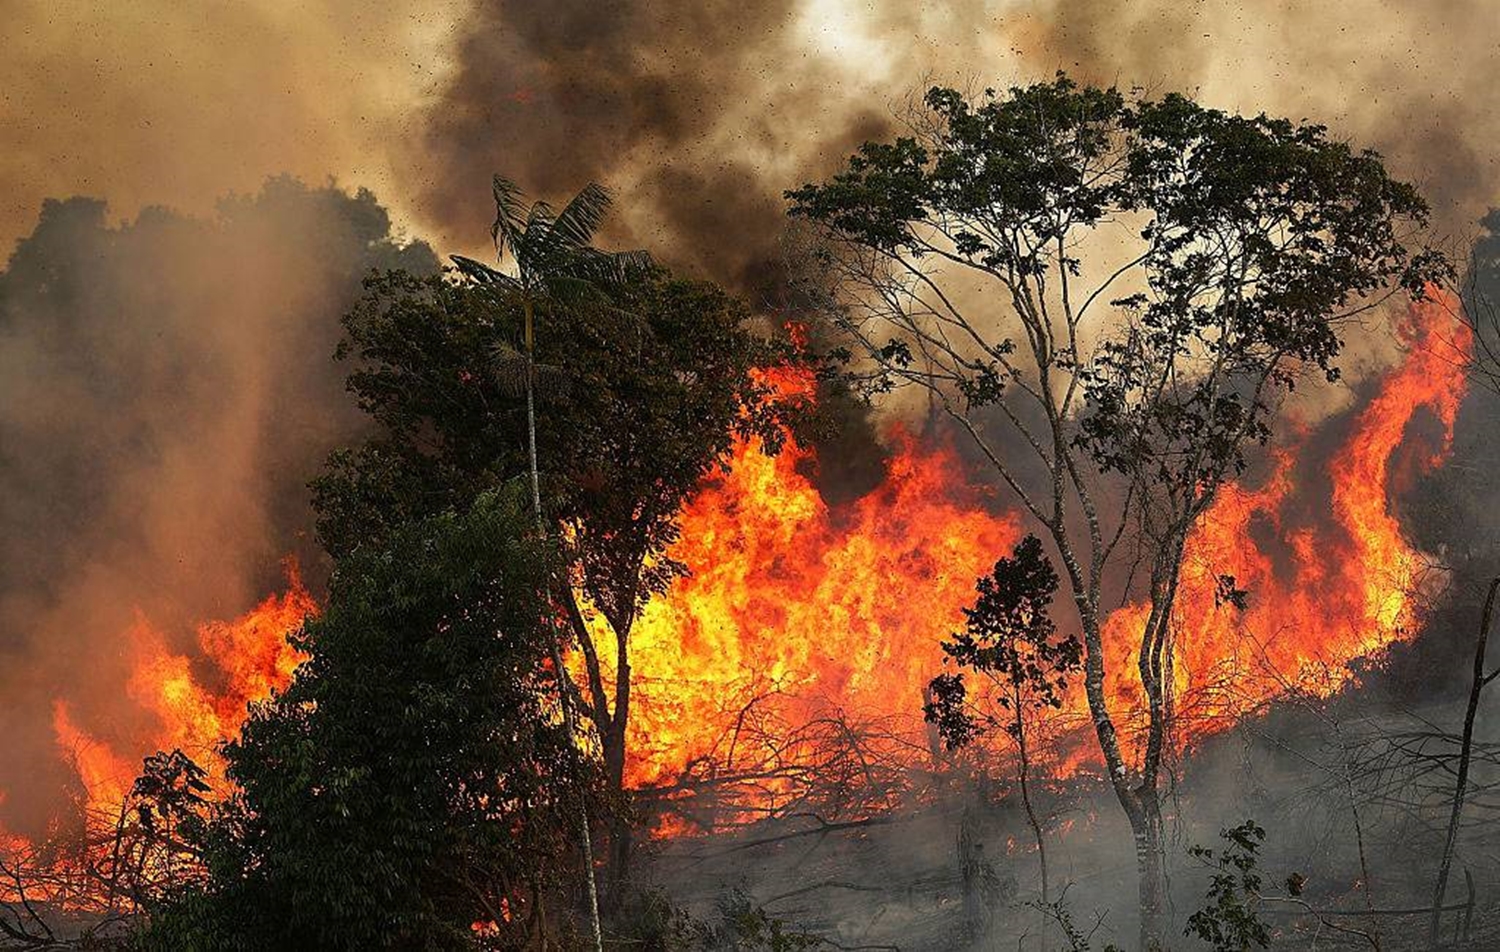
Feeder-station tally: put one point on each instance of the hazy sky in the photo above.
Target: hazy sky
(701, 111)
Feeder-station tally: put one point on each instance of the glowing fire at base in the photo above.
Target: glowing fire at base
(1320, 595)
(796, 609)
(802, 608)
(252, 657)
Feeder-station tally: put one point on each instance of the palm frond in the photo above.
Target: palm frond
(576, 293)
(510, 213)
(481, 273)
(580, 218)
(539, 219)
(536, 247)
(587, 298)
(512, 369)
(610, 268)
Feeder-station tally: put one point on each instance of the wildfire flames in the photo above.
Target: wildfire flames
(251, 658)
(795, 609)
(794, 605)
(802, 609)
(1323, 593)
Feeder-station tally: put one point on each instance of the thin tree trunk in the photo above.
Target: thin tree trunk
(584, 835)
(1140, 801)
(1023, 773)
(971, 875)
(536, 486)
(1146, 822)
(1465, 753)
(569, 722)
(620, 838)
(1150, 859)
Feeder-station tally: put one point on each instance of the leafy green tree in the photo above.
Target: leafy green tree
(1009, 641)
(643, 382)
(1109, 293)
(415, 778)
(168, 803)
(1227, 920)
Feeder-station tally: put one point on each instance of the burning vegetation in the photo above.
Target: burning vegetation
(605, 647)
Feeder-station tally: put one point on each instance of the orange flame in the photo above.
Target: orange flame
(797, 608)
(1320, 595)
(247, 659)
(848, 607)
(812, 606)
(250, 658)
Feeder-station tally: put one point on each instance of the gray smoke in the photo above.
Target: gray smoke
(167, 387)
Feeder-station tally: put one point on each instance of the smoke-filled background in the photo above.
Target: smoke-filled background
(701, 114)
(166, 386)
(166, 390)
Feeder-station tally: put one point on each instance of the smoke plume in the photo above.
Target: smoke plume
(166, 389)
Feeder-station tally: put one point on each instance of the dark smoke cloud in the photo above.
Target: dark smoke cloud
(1410, 80)
(166, 389)
(703, 113)
(700, 113)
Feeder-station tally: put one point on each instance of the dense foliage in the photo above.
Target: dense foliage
(415, 778)
(1009, 640)
(638, 384)
(643, 401)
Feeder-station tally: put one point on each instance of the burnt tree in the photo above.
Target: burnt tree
(1480, 680)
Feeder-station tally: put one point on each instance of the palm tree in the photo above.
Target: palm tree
(553, 266)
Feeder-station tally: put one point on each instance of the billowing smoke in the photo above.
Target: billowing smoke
(1408, 80)
(166, 389)
(701, 112)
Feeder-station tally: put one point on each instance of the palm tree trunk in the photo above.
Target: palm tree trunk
(569, 723)
(584, 835)
(536, 486)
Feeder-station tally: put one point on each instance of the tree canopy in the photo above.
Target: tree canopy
(631, 385)
(647, 399)
(1109, 293)
(415, 778)
(1009, 639)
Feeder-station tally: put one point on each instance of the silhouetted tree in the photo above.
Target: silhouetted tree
(644, 380)
(1010, 641)
(413, 787)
